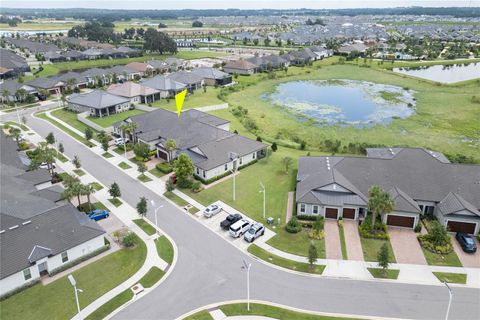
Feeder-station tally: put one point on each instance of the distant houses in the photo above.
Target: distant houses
(11, 64)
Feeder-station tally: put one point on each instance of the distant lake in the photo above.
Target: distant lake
(343, 102)
(10, 33)
(444, 73)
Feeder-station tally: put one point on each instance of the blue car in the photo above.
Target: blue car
(98, 214)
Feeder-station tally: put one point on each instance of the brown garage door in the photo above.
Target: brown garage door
(400, 221)
(331, 213)
(162, 155)
(348, 213)
(457, 226)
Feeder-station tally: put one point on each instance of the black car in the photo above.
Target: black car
(467, 242)
(231, 219)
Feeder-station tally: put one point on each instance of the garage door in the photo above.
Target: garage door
(348, 213)
(400, 221)
(331, 213)
(162, 155)
(457, 226)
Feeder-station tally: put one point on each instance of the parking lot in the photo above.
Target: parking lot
(214, 224)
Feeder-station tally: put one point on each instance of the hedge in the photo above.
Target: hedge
(425, 243)
(164, 167)
(306, 217)
(79, 260)
(208, 181)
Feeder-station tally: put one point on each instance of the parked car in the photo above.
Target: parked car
(98, 214)
(239, 228)
(466, 242)
(211, 210)
(255, 231)
(121, 141)
(44, 165)
(231, 219)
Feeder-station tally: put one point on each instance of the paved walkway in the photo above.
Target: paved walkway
(333, 247)
(352, 240)
(290, 204)
(406, 246)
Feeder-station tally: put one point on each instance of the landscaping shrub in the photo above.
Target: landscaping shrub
(316, 234)
(365, 229)
(169, 185)
(141, 151)
(427, 244)
(196, 186)
(184, 183)
(293, 226)
(130, 239)
(306, 217)
(19, 289)
(164, 167)
(418, 228)
(23, 145)
(437, 240)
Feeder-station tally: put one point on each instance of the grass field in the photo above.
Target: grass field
(151, 277)
(111, 305)
(71, 118)
(296, 243)
(176, 199)
(145, 226)
(124, 165)
(435, 259)
(387, 274)
(50, 301)
(116, 202)
(165, 249)
(197, 99)
(106, 122)
(451, 277)
(371, 247)
(446, 119)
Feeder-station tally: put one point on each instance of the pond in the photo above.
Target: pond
(343, 102)
(444, 73)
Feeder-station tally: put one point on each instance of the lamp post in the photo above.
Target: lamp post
(233, 156)
(74, 284)
(247, 266)
(155, 209)
(264, 191)
(450, 296)
(17, 107)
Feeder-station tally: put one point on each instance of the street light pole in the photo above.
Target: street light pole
(450, 296)
(247, 267)
(74, 284)
(264, 191)
(155, 210)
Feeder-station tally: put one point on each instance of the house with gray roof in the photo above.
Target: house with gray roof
(243, 67)
(12, 87)
(98, 103)
(39, 231)
(167, 87)
(191, 80)
(137, 93)
(420, 181)
(52, 84)
(205, 138)
(11, 64)
(213, 77)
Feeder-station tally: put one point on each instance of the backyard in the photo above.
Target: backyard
(106, 122)
(195, 100)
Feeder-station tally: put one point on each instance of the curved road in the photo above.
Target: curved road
(208, 267)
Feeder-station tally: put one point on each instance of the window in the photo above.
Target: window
(254, 155)
(26, 274)
(240, 161)
(302, 208)
(204, 174)
(315, 209)
(64, 257)
(226, 166)
(198, 171)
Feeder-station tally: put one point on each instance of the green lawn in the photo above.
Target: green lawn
(157, 173)
(79, 172)
(97, 186)
(371, 247)
(436, 259)
(115, 201)
(201, 315)
(451, 277)
(296, 243)
(240, 309)
(342, 242)
(282, 262)
(144, 178)
(70, 117)
(61, 157)
(124, 165)
(193, 210)
(111, 119)
(434, 125)
(107, 155)
(145, 226)
(151, 277)
(62, 127)
(388, 274)
(18, 125)
(119, 300)
(176, 199)
(55, 300)
(194, 100)
(165, 249)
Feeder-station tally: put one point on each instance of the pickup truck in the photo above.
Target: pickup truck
(231, 219)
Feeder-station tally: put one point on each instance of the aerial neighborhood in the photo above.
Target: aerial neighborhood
(196, 163)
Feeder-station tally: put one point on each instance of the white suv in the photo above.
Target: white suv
(239, 228)
(120, 142)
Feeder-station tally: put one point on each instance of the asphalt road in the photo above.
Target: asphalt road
(208, 267)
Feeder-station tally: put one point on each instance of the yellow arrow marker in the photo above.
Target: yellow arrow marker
(179, 98)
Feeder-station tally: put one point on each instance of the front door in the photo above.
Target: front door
(42, 269)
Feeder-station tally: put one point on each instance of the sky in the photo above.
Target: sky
(241, 4)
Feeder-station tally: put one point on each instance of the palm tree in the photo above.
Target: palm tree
(88, 190)
(5, 95)
(45, 155)
(71, 83)
(130, 129)
(64, 99)
(15, 133)
(21, 94)
(170, 145)
(73, 188)
(379, 202)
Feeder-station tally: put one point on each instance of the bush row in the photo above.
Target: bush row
(164, 167)
(77, 261)
(208, 181)
(427, 244)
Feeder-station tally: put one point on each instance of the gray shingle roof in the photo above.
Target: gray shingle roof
(96, 99)
(403, 202)
(454, 203)
(11, 60)
(45, 82)
(210, 73)
(163, 83)
(185, 77)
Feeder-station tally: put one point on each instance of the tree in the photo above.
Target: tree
(21, 94)
(88, 190)
(63, 98)
(129, 128)
(312, 254)
(171, 146)
(15, 133)
(88, 133)
(61, 148)
(379, 202)
(259, 139)
(76, 162)
(73, 188)
(5, 95)
(114, 191)
(197, 24)
(382, 257)
(142, 207)
(45, 155)
(274, 147)
(158, 42)
(104, 143)
(183, 167)
(438, 234)
(142, 168)
(50, 138)
(141, 151)
(287, 162)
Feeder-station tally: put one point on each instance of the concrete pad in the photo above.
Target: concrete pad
(469, 260)
(405, 246)
(111, 224)
(416, 274)
(352, 240)
(333, 247)
(218, 314)
(347, 269)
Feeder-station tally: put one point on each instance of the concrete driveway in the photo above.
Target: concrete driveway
(470, 260)
(352, 240)
(111, 224)
(333, 248)
(405, 246)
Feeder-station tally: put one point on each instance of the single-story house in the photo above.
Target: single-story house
(160, 66)
(321, 52)
(95, 74)
(12, 87)
(122, 73)
(213, 77)
(137, 93)
(93, 53)
(191, 80)
(260, 62)
(143, 69)
(242, 67)
(39, 231)
(420, 181)
(205, 138)
(12, 64)
(275, 61)
(166, 86)
(52, 84)
(78, 79)
(53, 57)
(73, 55)
(98, 103)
